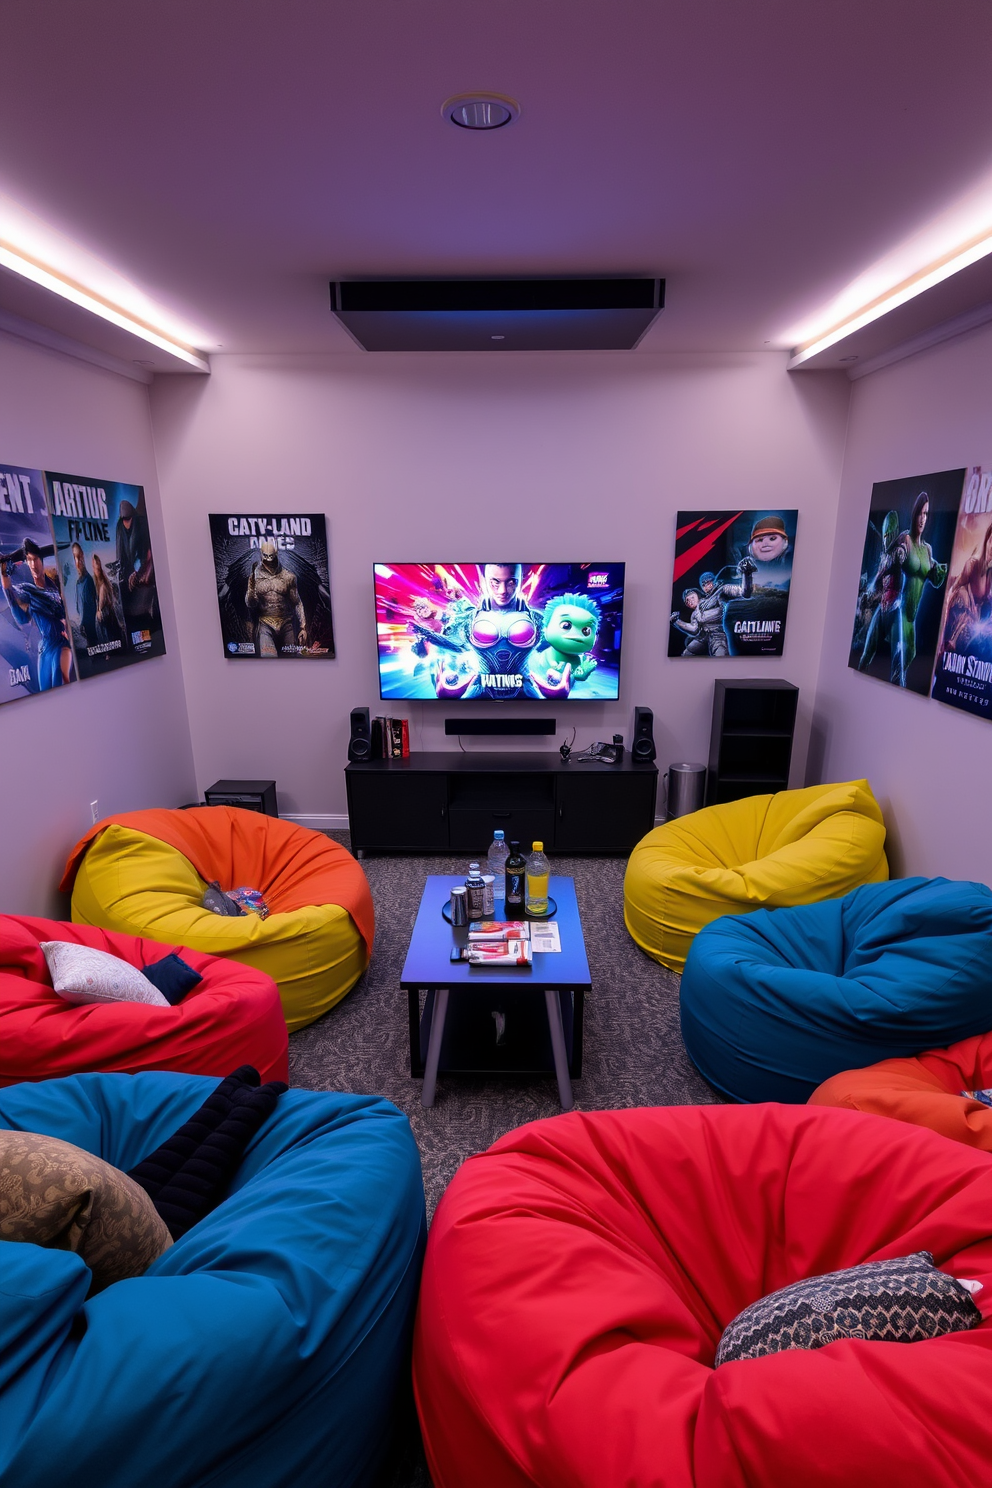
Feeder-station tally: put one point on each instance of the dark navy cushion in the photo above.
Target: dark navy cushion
(172, 976)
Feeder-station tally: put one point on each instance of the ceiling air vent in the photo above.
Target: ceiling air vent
(497, 314)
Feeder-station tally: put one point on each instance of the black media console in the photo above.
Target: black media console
(450, 802)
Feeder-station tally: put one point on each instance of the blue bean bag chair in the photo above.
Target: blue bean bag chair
(264, 1347)
(775, 1002)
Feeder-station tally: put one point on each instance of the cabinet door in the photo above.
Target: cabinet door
(604, 813)
(394, 811)
(472, 831)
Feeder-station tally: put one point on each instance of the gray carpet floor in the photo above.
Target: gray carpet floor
(633, 1052)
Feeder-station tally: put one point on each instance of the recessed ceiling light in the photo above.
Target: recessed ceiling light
(481, 110)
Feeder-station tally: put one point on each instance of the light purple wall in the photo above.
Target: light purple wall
(929, 765)
(420, 457)
(123, 739)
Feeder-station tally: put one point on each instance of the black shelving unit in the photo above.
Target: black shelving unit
(751, 739)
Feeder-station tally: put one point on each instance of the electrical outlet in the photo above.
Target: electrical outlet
(94, 812)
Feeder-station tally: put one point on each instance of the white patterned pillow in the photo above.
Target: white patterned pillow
(81, 974)
(899, 1301)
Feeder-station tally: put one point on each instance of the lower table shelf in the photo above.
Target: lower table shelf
(500, 1031)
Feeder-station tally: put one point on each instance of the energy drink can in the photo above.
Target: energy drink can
(459, 906)
(488, 896)
(474, 887)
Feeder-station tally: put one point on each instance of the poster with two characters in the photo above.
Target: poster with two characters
(107, 571)
(273, 586)
(903, 583)
(730, 592)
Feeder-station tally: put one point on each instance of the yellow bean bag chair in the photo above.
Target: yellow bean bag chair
(763, 852)
(145, 872)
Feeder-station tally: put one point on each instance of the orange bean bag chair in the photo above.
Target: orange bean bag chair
(926, 1091)
(145, 873)
(232, 1017)
(580, 1273)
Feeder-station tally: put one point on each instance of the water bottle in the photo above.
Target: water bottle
(498, 854)
(538, 869)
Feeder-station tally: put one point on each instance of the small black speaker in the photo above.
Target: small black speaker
(360, 743)
(642, 745)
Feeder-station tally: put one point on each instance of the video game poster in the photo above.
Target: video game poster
(904, 567)
(273, 586)
(963, 673)
(731, 582)
(107, 571)
(34, 631)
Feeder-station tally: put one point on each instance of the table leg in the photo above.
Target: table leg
(434, 1046)
(558, 1045)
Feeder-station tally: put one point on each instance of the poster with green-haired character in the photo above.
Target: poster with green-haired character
(904, 562)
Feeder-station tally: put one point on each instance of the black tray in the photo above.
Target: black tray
(549, 913)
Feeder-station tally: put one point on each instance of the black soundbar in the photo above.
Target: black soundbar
(499, 726)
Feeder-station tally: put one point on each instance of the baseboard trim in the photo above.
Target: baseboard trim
(321, 821)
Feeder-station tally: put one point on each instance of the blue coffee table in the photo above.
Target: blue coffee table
(471, 1014)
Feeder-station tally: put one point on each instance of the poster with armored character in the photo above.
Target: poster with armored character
(273, 586)
(904, 565)
(962, 677)
(107, 570)
(730, 591)
(34, 631)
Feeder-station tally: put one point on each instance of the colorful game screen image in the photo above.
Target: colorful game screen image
(963, 675)
(731, 582)
(107, 570)
(35, 650)
(499, 630)
(904, 567)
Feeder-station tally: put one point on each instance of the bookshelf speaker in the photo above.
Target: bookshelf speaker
(360, 743)
(642, 744)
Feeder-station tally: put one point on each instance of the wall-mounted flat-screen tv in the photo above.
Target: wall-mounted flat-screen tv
(499, 630)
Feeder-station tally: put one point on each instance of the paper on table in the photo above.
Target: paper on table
(545, 937)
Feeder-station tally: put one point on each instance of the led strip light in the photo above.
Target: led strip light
(67, 289)
(917, 284)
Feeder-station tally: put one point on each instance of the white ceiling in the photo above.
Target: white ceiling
(229, 157)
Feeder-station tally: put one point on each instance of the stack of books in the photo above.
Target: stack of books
(390, 738)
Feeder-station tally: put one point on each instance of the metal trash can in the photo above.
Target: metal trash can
(686, 788)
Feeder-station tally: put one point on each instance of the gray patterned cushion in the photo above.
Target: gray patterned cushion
(901, 1301)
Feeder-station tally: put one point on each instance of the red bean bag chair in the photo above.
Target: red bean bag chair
(580, 1273)
(232, 1017)
(925, 1091)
